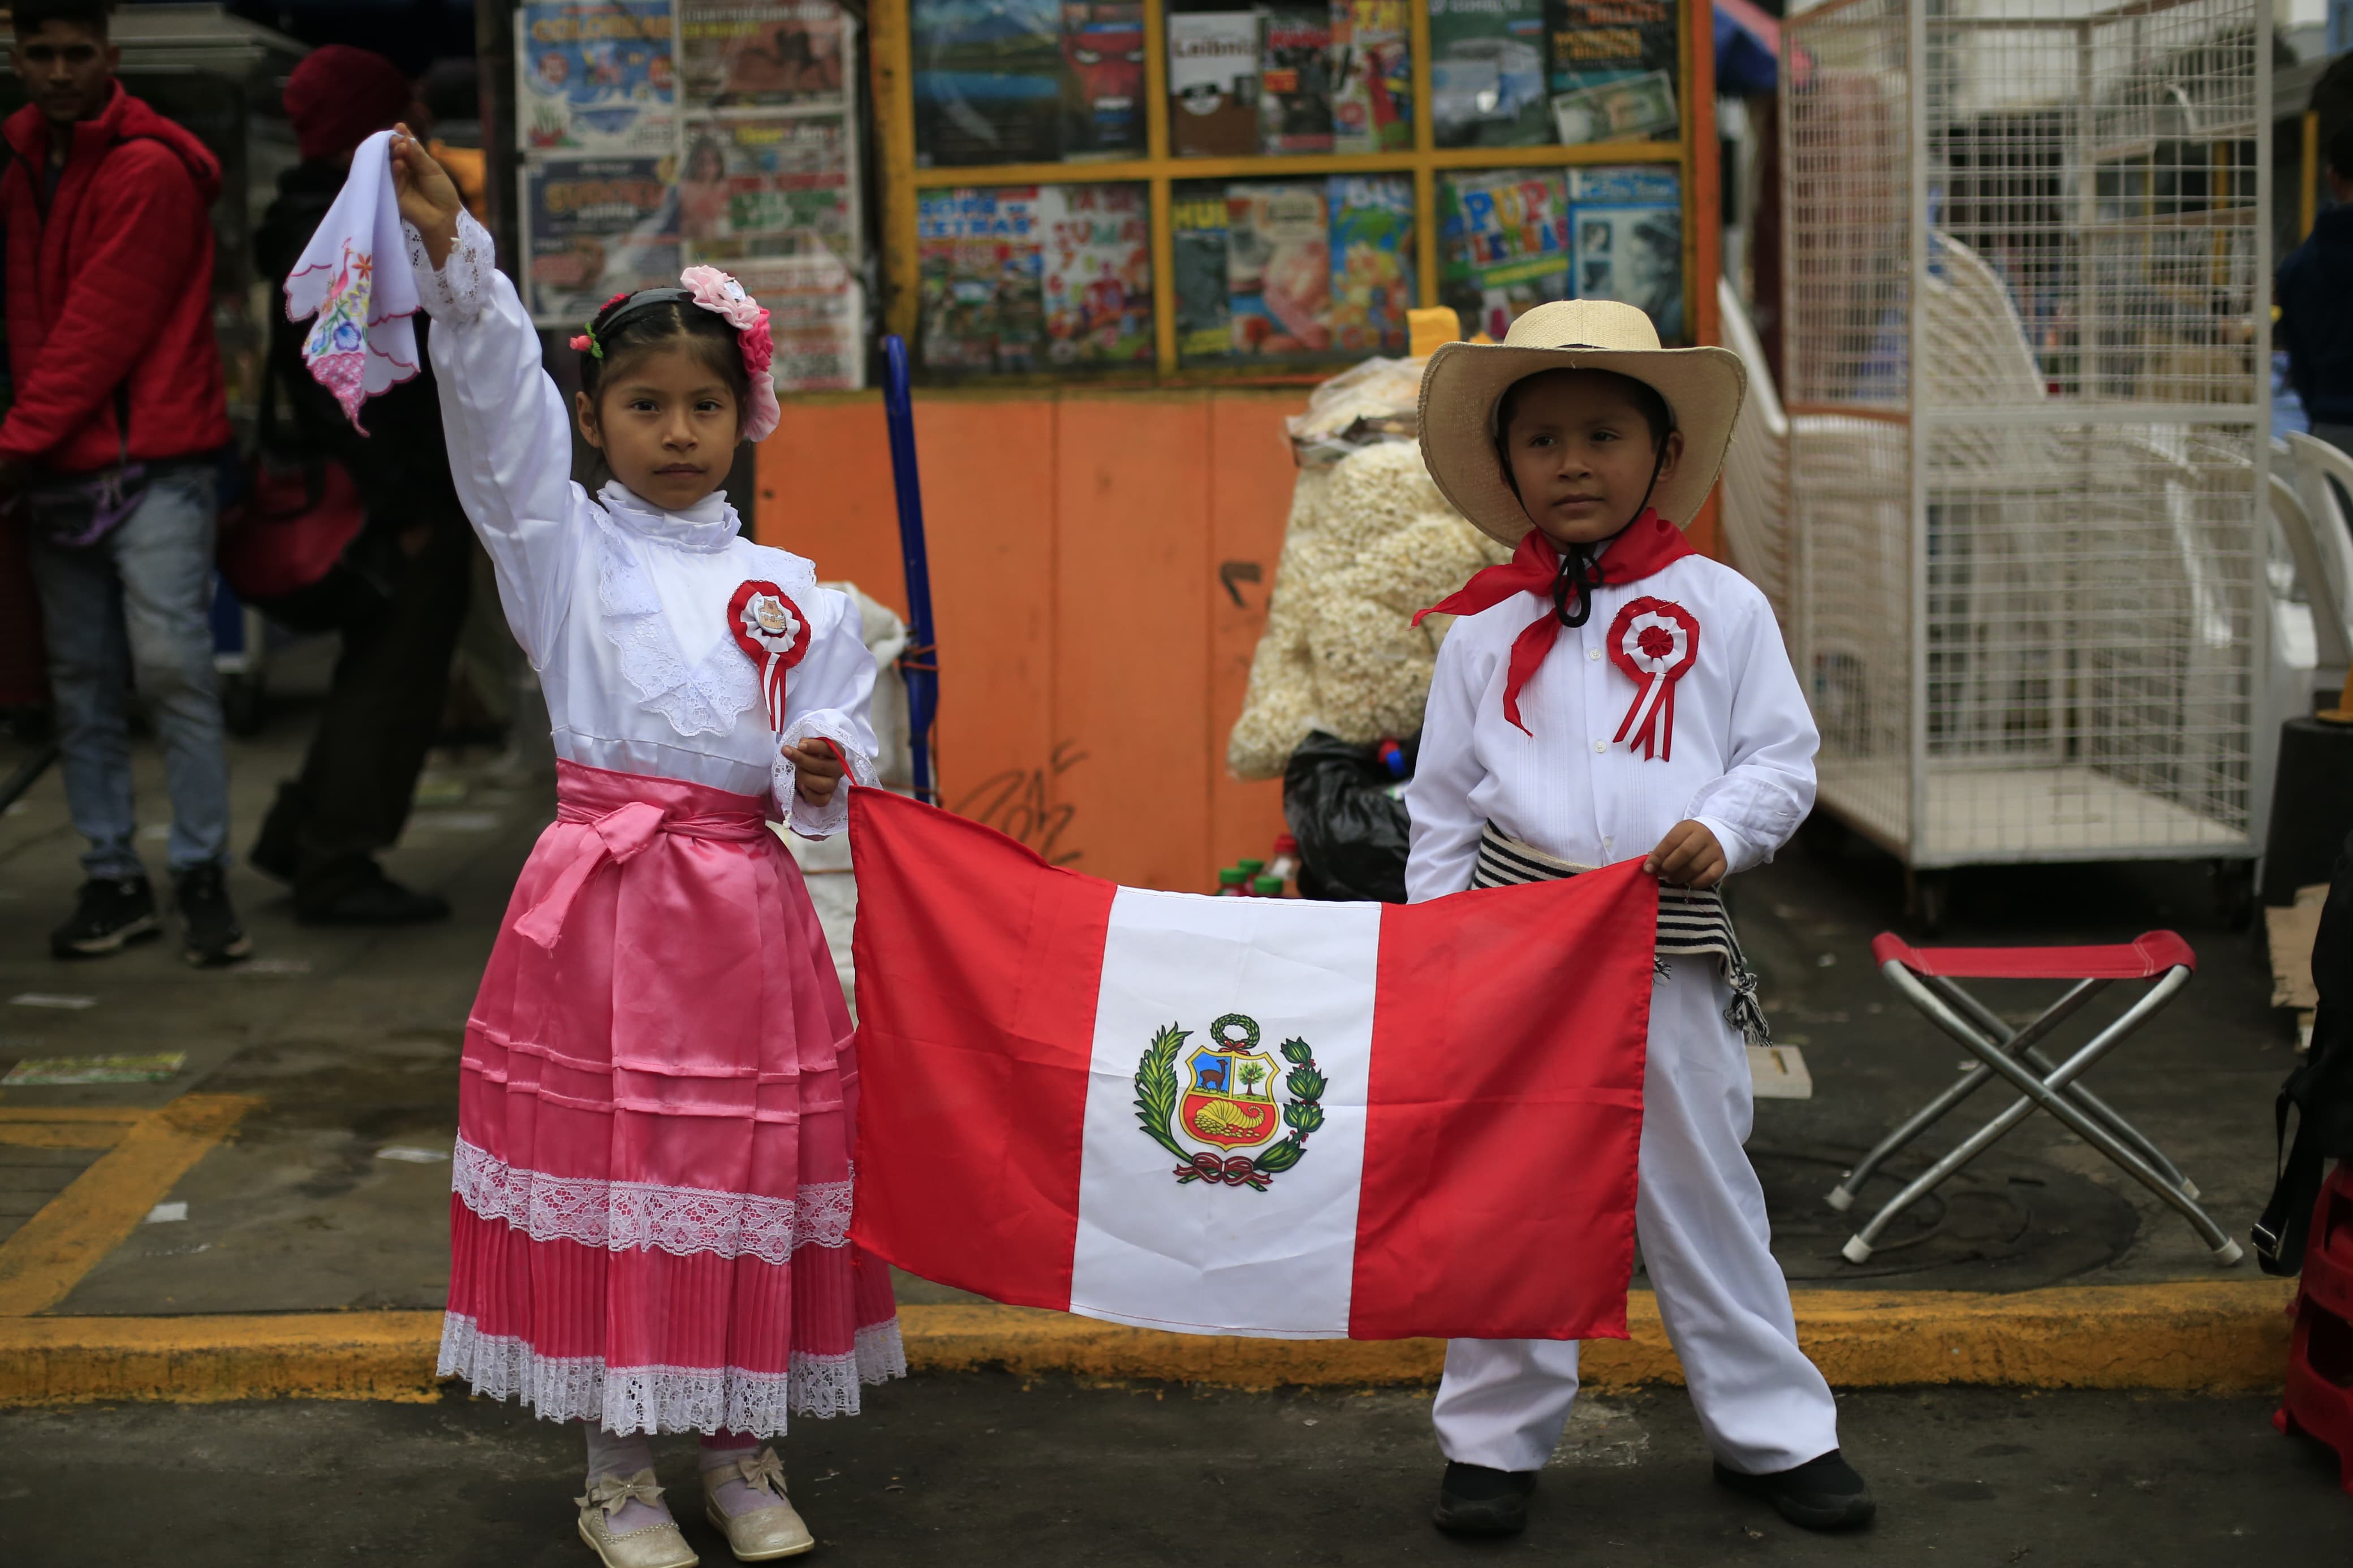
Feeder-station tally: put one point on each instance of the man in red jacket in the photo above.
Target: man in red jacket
(109, 449)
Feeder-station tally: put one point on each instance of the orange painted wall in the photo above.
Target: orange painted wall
(1091, 660)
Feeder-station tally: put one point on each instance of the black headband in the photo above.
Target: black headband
(612, 315)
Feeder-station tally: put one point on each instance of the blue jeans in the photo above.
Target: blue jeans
(132, 608)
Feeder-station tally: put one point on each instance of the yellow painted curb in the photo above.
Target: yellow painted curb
(2192, 1337)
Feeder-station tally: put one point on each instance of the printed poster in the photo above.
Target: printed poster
(989, 81)
(595, 77)
(1278, 268)
(1487, 73)
(593, 228)
(1504, 243)
(762, 54)
(1372, 73)
(817, 314)
(1610, 69)
(978, 258)
(1372, 262)
(1095, 274)
(1205, 328)
(1633, 254)
(768, 186)
(1102, 96)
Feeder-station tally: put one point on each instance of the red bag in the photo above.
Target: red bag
(290, 529)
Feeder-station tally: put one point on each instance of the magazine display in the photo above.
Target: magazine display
(1102, 61)
(1626, 238)
(977, 260)
(762, 54)
(1293, 269)
(1295, 82)
(987, 81)
(765, 186)
(1214, 73)
(1487, 73)
(595, 77)
(1611, 69)
(1095, 274)
(1502, 244)
(1372, 76)
(595, 227)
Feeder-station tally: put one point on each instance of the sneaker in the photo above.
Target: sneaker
(1823, 1493)
(109, 913)
(369, 898)
(214, 936)
(1475, 1500)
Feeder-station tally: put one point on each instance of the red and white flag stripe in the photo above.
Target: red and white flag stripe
(1247, 1116)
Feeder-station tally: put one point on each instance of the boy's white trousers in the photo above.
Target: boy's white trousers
(1700, 1218)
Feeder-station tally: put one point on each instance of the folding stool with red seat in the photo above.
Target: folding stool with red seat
(1926, 976)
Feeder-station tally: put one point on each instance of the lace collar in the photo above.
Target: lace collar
(707, 526)
(707, 696)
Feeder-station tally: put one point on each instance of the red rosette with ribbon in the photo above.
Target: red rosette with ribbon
(773, 633)
(1654, 641)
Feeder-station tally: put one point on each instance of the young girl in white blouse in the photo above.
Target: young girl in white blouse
(1610, 693)
(649, 1226)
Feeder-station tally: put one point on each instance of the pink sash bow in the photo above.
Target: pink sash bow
(619, 833)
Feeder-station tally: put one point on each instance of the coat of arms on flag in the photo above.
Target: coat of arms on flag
(1224, 1097)
(1247, 1116)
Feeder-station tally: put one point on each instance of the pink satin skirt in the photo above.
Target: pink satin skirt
(650, 1222)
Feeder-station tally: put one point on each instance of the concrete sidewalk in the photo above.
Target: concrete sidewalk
(329, 1067)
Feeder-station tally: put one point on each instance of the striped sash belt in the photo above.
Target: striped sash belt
(1692, 922)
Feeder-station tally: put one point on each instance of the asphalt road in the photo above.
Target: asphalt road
(985, 1470)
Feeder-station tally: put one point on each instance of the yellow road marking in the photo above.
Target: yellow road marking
(2190, 1337)
(42, 1262)
(65, 1127)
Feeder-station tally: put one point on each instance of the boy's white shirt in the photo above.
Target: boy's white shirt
(1743, 749)
(622, 606)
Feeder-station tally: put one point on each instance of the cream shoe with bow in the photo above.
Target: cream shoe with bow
(764, 1533)
(654, 1546)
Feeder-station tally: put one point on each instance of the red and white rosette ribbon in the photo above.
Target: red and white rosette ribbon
(775, 632)
(1654, 642)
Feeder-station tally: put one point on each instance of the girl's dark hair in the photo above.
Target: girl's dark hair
(629, 329)
(1641, 394)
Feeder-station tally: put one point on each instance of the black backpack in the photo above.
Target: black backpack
(2321, 1090)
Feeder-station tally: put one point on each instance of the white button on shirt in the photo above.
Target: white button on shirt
(1742, 760)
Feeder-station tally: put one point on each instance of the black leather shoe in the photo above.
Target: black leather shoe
(1823, 1493)
(1475, 1500)
(370, 899)
(214, 936)
(109, 913)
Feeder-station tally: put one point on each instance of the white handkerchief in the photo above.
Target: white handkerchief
(354, 277)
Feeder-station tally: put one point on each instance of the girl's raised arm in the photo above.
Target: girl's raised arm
(508, 433)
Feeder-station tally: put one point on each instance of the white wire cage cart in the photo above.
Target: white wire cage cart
(2027, 338)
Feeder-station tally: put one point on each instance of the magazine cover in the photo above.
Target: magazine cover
(1213, 83)
(1611, 69)
(1372, 262)
(1278, 268)
(1103, 79)
(817, 314)
(595, 77)
(977, 255)
(1196, 224)
(1295, 101)
(595, 227)
(1503, 243)
(989, 81)
(767, 187)
(1634, 255)
(1487, 73)
(762, 54)
(1372, 76)
(1095, 274)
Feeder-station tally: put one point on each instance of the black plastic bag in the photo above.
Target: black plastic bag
(1345, 806)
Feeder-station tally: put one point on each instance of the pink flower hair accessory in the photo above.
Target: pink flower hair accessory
(723, 297)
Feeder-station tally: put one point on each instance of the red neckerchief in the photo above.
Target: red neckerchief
(1645, 545)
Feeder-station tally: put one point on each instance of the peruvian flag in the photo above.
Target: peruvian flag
(1247, 1116)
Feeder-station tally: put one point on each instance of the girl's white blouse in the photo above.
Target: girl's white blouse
(1742, 760)
(621, 607)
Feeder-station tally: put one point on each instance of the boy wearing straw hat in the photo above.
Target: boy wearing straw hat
(1608, 693)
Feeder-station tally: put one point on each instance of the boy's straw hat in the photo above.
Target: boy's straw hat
(1464, 382)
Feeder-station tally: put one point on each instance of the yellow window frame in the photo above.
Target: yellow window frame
(890, 43)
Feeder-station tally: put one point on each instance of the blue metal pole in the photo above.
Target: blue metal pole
(919, 664)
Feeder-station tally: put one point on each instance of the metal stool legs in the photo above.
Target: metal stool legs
(2090, 1119)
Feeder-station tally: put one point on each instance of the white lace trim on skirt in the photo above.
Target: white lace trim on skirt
(623, 1216)
(658, 1399)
